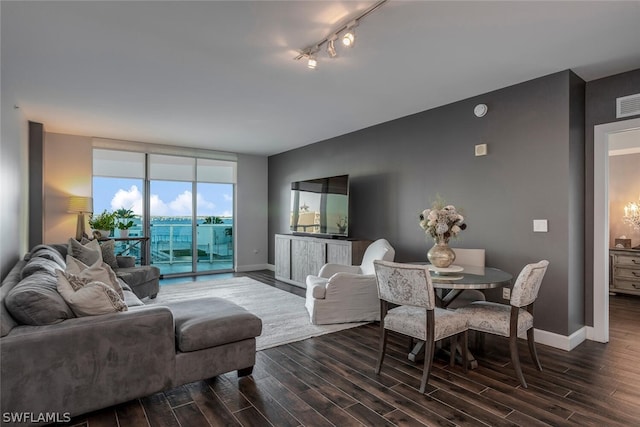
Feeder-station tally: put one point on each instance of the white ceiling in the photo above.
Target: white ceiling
(221, 75)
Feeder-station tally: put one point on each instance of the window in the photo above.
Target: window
(188, 204)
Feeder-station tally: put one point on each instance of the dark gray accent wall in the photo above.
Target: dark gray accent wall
(397, 168)
(36, 183)
(600, 98)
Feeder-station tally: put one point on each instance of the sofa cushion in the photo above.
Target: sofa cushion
(38, 264)
(131, 299)
(35, 301)
(87, 253)
(98, 271)
(48, 252)
(136, 275)
(108, 249)
(210, 322)
(88, 297)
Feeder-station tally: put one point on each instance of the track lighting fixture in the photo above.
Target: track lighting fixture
(348, 39)
(331, 48)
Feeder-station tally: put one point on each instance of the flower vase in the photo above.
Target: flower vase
(441, 255)
(124, 233)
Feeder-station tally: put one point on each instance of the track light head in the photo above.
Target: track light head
(312, 63)
(349, 38)
(331, 48)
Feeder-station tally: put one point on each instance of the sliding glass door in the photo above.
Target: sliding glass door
(190, 205)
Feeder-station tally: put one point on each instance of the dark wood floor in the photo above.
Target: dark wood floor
(329, 380)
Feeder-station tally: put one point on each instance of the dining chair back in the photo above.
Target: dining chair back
(513, 319)
(475, 258)
(409, 286)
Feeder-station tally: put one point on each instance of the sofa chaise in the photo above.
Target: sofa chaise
(70, 365)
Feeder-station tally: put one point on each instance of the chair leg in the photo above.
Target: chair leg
(382, 348)
(479, 342)
(465, 351)
(452, 353)
(429, 349)
(515, 360)
(532, 349)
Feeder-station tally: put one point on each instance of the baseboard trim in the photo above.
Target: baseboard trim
(271, 267)
(254, 267)
(561, 342)
(595, 335)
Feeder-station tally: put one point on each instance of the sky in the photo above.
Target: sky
(168, 198)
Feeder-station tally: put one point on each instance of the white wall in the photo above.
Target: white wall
(14, 178)
(67, 172)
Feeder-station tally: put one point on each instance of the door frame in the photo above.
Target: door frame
(601, 133)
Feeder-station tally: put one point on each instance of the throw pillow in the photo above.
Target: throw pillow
(108, 249)
(88, 297)
(35, 301)
(88, 253)
(98, 271)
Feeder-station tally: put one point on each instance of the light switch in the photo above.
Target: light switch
(540, 226)
(481, 150)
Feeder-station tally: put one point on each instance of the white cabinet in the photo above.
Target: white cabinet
(625, 267)
(298, 256)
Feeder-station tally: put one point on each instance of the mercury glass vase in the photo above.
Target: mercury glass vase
(441, 255)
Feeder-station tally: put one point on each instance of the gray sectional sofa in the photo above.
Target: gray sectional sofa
(70, 365)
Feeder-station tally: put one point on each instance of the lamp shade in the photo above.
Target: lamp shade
(80, 204)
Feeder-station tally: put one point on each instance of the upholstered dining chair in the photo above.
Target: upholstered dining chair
(475, 258)
(409, 286)
(513, 319)
(347, 293)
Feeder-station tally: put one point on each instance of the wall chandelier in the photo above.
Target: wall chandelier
(348, 39)
(632, 215)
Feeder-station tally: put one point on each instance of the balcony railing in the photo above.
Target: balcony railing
(171, 243)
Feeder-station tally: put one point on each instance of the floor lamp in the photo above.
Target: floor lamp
(80, 205)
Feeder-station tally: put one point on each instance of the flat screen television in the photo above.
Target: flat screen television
(320, 206)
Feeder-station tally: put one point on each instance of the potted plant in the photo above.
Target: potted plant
(102, 224)
(125, 221)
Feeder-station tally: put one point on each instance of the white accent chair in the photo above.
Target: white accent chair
(475, 258)
(513, 319)
(347, 293)
(417, 316)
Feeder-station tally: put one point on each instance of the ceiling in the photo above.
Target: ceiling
(221, 75)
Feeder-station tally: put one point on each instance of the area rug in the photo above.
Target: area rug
(284, 317)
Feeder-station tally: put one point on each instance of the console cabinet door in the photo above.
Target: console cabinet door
(309, 256)
(283, 257)
(339, 253)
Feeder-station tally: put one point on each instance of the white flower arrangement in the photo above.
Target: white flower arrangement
(442, 221)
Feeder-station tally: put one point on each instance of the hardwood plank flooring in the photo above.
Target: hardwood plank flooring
(330, 381)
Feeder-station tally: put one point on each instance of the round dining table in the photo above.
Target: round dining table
(452, 281)
(458, 278)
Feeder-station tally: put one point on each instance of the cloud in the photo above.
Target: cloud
(227, 197)
(128, 199)
(180, 206)
(205, 207)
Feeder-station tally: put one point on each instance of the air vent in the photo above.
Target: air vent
(628, 106)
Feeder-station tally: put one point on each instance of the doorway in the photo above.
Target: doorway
(602, 133)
